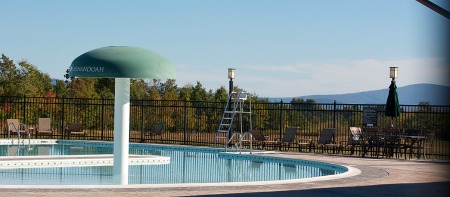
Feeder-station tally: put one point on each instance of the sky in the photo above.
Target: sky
(279, 48)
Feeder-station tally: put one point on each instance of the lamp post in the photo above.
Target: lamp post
(393, 72)
(230, 90)
(392, 98)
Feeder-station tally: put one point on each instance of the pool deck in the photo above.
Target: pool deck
(379, 177)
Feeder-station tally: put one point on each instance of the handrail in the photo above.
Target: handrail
(18, 132)
(27, 132)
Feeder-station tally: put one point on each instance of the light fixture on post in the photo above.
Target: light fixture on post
(393, 72)
(231, 77)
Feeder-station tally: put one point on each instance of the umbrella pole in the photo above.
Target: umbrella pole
(392, 123)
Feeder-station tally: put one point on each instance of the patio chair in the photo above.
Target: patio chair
(410, 143)
(157, 131)
(75, 129)
(391, 142)
(354, 140)
(326, 140)
(287, 139)
(372, 141)
(428, 143)
(259, 138)
(16, 128)
(44, 127)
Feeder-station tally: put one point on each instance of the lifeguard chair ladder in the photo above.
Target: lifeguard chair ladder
(236, 102)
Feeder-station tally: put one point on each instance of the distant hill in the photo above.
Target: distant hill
(408, 95)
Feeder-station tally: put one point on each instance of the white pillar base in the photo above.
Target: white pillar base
(121, 130)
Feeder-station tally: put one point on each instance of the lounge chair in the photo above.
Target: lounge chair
(44, 126)
(259, 138)
(354, 140)
(287, 139)
(75, 129)
(15, 127)
(326, 140)
(157, 131)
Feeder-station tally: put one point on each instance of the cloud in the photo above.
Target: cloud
(341, 77)
(315, 77)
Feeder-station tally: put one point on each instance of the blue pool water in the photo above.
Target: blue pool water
(187, 165)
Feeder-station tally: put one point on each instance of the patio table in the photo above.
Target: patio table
(386, 142)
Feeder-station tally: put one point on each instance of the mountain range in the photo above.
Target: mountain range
(407, 95)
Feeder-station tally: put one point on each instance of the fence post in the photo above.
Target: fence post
(24, 109)
(185, 122)
(103, 118)
(281, 122)
(334, 121)
(334, 114)
(62, 118)
(142, 120)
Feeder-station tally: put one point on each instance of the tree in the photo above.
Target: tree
(221, 94)
(139, 89)
(185, 92)
(9, 77)
(199, 93)
(154, 93)
(25, 80)
(424, 105)
(83, 88)
(105, 88)
(169, 90)
(297, 100)
(310, 101)
(60, 89)
(34, 82)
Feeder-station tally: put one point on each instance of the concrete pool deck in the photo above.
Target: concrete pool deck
(379, 177)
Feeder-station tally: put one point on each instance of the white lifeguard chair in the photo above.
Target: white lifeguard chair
(235, 105)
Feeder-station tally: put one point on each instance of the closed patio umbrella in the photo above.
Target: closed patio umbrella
(392, 104)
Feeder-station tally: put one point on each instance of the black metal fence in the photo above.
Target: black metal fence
(196, 122)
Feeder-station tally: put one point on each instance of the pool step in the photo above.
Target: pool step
(77, 161)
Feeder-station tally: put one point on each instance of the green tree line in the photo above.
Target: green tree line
(25, 79)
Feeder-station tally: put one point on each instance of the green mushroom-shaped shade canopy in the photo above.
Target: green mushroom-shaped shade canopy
(122, 62)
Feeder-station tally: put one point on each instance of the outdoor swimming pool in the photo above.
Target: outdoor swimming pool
(187, 165)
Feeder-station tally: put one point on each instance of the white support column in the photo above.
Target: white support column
(121, 130)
